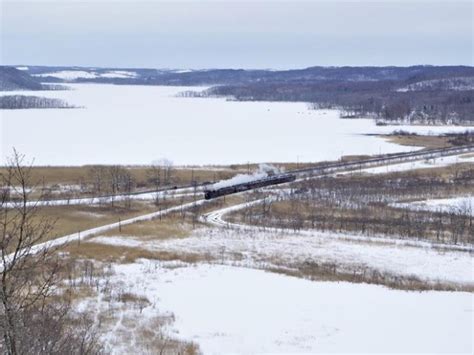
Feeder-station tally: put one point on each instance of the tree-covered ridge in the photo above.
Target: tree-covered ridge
(13, 79)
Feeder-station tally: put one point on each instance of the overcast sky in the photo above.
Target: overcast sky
(237, 34)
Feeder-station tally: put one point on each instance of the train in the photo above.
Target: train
(255, 184)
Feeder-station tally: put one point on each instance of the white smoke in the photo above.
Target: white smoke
(264, 170)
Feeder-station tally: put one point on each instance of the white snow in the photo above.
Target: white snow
(456, 83)
(263, 249)
(150, 122)
(236, 310)
(422, 164)
(70, 74)
(459, 205)
(118, 74)
(231, 309)
(22, 68)
(181, 71)
(82, 74)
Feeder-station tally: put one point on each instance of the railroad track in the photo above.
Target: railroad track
(332, 168)
(386, 160)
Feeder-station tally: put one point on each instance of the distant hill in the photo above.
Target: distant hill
(409, 95)
(13, 79)
(308, 76)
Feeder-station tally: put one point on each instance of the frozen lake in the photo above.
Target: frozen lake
(139, 124)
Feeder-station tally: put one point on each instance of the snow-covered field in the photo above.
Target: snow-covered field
(459, 205)
(267, 249)
(81, 74)
(235, 310)
(139, 124)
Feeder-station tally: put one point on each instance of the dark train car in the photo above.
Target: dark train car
(255, 184)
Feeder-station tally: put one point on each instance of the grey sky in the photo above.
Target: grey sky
(238, 34)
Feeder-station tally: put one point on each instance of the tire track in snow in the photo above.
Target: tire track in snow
(216, 218)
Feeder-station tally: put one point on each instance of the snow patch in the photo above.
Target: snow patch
(82, 74)
(458, 205)
(118, 74)
(421, 164)
(70, 74)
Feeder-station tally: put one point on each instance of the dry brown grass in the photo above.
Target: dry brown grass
(73, 219)
(78, 218)
(154, 342)
(50, 175)
(330, 272)
(419, 141)
(121, 254)
(170, 226)
(128, 297)
(444, 172)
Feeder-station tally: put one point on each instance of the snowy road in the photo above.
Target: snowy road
(77, 237)
(217, 218)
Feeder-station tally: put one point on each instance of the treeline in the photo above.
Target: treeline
(379, 99)
(14, 102)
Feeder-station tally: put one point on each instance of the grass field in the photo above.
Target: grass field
(431, 142)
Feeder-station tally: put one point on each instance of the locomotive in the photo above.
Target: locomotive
(232, 189)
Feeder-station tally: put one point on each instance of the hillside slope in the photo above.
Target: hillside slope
(13, 79)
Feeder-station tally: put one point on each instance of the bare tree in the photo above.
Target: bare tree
(164, 167)
(33, 314)
(154, 175)
(98, 176)
(154, 178)
(120, 180)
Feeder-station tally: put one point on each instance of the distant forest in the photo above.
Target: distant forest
(378, 99)
(411, 95)
(12, 102)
